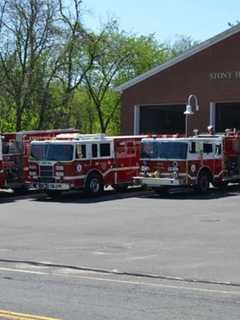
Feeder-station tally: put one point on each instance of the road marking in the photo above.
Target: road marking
(159, 285)
(5, 314)
(23, 271)
(128, 282)
(142, 257)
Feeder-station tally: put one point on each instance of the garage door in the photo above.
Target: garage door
(227, 116)
(162, 119)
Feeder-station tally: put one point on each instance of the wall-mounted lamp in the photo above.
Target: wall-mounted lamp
(189, 112)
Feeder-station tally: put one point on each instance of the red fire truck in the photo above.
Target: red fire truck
(197, 161)
(84, 162)
(14, 155)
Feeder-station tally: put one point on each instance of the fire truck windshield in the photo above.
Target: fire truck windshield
(52, 152)
(163, 150)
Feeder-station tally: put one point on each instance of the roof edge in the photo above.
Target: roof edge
(187, 54)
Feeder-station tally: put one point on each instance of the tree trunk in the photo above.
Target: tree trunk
(19, 119)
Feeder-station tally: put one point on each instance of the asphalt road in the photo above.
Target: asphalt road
(72, 295)
(171, 242)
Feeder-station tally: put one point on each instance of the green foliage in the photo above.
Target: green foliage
(54, 73)
(144, 53)
(8, 115)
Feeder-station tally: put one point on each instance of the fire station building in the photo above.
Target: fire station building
(155, 101)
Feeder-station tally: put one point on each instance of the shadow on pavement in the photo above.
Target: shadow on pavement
(110, 195)
(81, 197)
(9, 196)
(190, 194)
(6, 197)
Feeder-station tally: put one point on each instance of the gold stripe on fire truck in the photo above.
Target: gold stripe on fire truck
(218, 175)
(119, 169)
(104, 174)
(74, 177)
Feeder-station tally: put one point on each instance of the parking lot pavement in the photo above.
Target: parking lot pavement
(181, 235)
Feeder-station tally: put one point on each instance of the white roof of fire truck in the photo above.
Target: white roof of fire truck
(77, 137)
(176, 138)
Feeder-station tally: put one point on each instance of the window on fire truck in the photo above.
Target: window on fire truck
(207, 148)
(94, 150)
(81, 151)
(10, 147)
(5, 148)
(149, 150)
(105, 150)
(52, 152)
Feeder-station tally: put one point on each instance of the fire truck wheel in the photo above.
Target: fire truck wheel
(94, 184)
(203, 182)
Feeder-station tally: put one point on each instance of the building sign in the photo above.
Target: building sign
(228, 75)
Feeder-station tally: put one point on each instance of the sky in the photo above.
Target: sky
(199, 19)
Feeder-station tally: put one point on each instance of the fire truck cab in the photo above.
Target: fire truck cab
(84, 162)
(14, 156)
(189, 161)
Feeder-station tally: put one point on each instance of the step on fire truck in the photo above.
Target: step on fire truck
(14, 155)
(169, 162)
(84, 162)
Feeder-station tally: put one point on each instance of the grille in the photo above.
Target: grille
(46, 171)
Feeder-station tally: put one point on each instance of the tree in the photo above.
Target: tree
(75, 62)
(181, 45)
(26, 30)
(119, 57)
(56, 73)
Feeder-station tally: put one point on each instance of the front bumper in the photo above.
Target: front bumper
(51, 186)
(158, 182)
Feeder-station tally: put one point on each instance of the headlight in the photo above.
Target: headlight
(59, 168)
(145, 171)
(175, 174)
(145, 168)
(32, 173)
(32, 167)
(59, 174)
(193, 168)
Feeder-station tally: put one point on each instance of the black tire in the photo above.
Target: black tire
(203, 182)
(94, 184)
